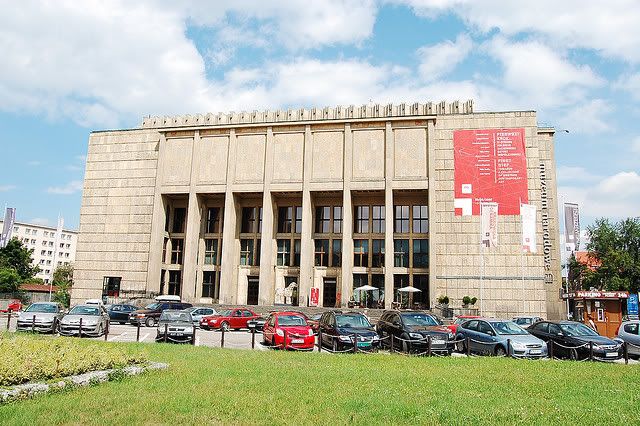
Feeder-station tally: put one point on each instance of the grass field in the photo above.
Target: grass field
(209, 386)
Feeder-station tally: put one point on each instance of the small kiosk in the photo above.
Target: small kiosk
(603, 310)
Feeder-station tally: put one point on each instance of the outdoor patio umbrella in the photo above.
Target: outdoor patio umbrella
(408, 289)
(365, 288)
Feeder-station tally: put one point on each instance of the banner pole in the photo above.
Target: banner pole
(481, 265)
(522, 258)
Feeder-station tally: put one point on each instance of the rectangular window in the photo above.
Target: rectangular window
(34, 232)
(46, 233)
(377, 261)
(179, 216)
(259, 220)
(248, 220)
(210, 252)
(337, 219)
(361, 220)
(284, 253)
(297, 249)
(43, 252)
(420, 253)
(401, 253)
(61, 245)
(420, 219)
(285, 219)
(213, 221)
(208, 283)
(177, 247)
(246, 252)
(336, 255)
(401, 223)
(164, 250)
(360, 252)
(175, 278)
(298, 227)
(377, 223)
(323, 220)
(322, 253)
(111, 286)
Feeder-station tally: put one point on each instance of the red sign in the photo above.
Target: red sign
(315, 296)
(596, 294)
(490, 165)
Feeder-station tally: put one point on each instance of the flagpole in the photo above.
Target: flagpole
(481, 264)
(522, 257)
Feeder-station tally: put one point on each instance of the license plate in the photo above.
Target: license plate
(179, 334)
(535, 351)
(297, 341)
(437, 342)
(364, 344)
(611, 354)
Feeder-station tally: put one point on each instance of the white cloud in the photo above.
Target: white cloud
(588, 118)
(40, 221)
(5, 188)
(69, 188)
(629, 83)
(441, 58)
(616, 196)
(575, 174)
(635, 145)
(606, 28)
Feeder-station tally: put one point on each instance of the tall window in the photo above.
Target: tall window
(377, 220)
(420, 253)
(377, 259)
(179, 216)
(288, 238)
(211, 253)
(337, 219)
(336, 253)
(250, 220)
(322, 252)
(247, 254)
(420, 219)
(284, 253)
(401, 253)
(361, 253)
(401, 224)
(177, 248)
(213, 221)
(211, 284)
(323, 220)
(361, 220)
(290, 220)
(174, 282)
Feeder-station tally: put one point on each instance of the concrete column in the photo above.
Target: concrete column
(190, 269)
(431, 196)
(347, 219)
(306, 245)
(266, 293)
(388, 214)
(228, 265)
(154, 265)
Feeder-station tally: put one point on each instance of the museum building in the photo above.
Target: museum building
(303, 207)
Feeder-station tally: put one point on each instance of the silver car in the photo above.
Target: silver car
(41, 317)
(197, 312)
(94, 321)
(526, 321)
(175, 326)
(628, 332)
(496, 337)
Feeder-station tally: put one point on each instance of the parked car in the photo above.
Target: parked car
(176, 325)
(577, 337)
(228, 319)
(418, 326)
(150, 315)
(340, 330)
(291, 325)
(492, 337)
(12, 306)
(47, 317)
(257, 324)
(314, 322)
(628, 332)
(198, 312)
(120, 312)
(94, 321)
(453, 327)
(526, 321)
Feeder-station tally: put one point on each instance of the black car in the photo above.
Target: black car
(120, 312)
(412, 330)
(573, 339)
(257, 324)
(340, 330)
(150, 315)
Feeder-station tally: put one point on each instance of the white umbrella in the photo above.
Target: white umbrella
(365, 288)
(409, 289)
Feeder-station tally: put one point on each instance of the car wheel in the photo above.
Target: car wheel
(149, 322)
(460, 346)
(499, 351)
(225, 326)
(405, 347)
(573, 354)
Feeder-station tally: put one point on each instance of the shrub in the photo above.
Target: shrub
(466, 300)
(443, 299)
(473, 300)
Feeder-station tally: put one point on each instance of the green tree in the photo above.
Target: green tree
(63, 279)
(9, 280)
(18, 258)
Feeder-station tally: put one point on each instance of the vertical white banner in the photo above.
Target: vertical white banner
(489, 224)
(7, 228)
(572, 227)
(528, 216)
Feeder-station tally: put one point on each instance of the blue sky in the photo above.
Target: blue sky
(69, 70)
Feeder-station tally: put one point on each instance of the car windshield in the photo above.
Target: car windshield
(225, 313)
(291, 320)
(85, 310)
(508, 327)
(577, 329)
(175, 317)
(352, 321)
(418, 319)
(42, 307)
(523, 321)
(153, 306)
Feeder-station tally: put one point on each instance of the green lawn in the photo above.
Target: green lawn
(205, 386)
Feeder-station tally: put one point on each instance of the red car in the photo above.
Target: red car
(294, 325)
(229, 319)
(459, 320)
(13, 306)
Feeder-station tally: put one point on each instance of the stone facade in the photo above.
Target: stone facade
(189, 204)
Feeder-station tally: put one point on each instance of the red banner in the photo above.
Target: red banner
(490, 165)
(315, 296)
